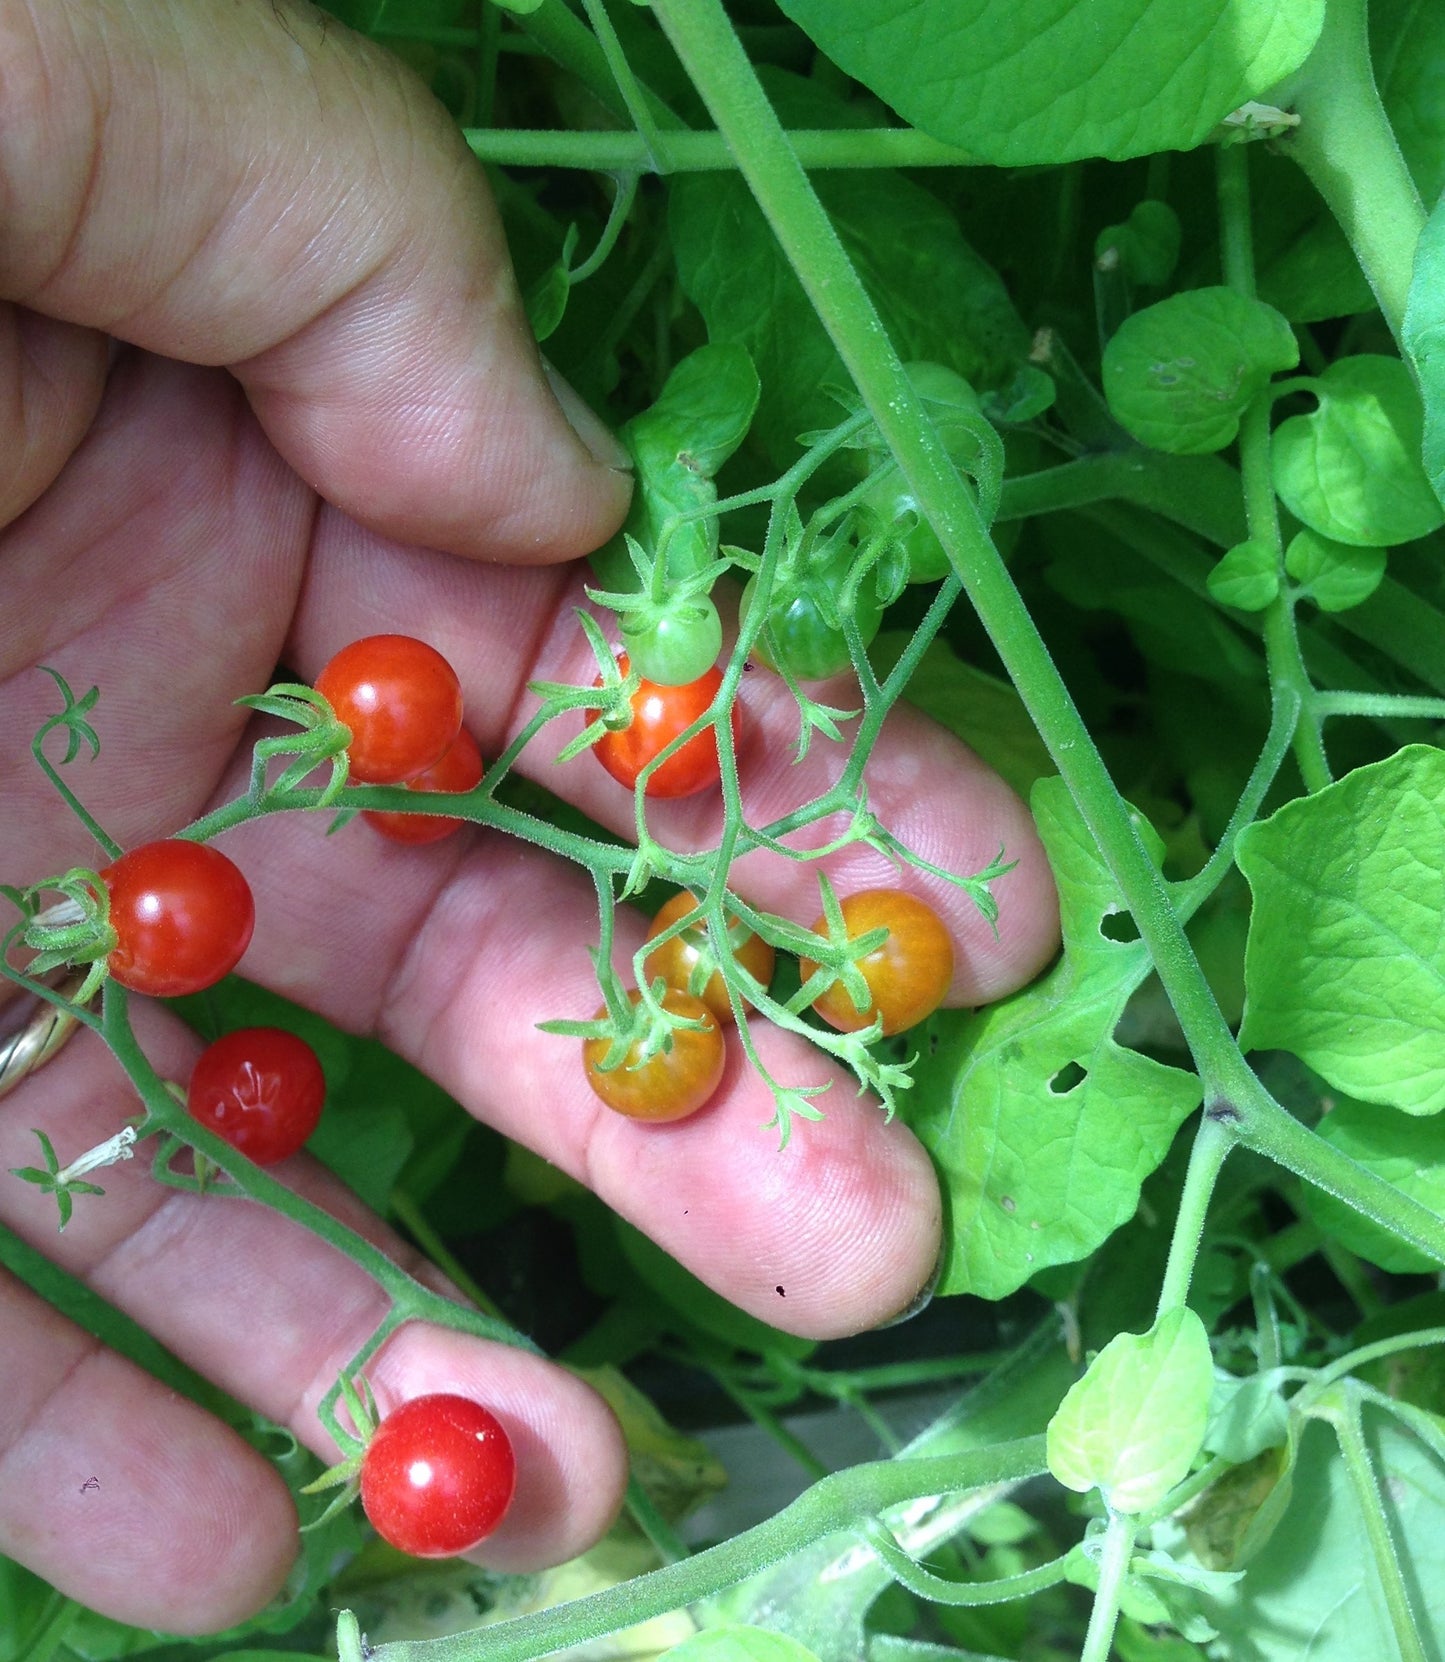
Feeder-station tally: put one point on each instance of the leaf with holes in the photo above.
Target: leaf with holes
(1041, 1125)
(1345, 964)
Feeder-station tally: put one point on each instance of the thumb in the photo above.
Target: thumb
(253, 185)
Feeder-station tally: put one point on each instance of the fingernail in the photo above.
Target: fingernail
(921, 1299)
(601, 441)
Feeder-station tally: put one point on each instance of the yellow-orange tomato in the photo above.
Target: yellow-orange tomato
(672, 1084)
(907, 976)
(688, 962)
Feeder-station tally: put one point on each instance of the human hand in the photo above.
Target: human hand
(329, 421)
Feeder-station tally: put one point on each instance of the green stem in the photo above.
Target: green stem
(689, 152)
(839, 1501)
(1345, 144)
(404, 1209)
(1287, 671)
(1371, 1507)
(704, 40)
(1113, 1567)
(937, 1589)
(56, 1621)
(1212, 1143)
(164, 1113)
(1263, 1125)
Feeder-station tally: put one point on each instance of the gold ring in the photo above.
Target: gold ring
(35, 1041)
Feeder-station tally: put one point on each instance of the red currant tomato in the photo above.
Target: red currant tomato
(438, 1476)
(908, 975)
(659, 714)
(687, 961)
(459, 770)
(182, 915)
(672, 1084)
(402, 701)
(261, 1088)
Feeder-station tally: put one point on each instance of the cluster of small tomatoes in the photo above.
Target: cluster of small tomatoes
(437, 1475)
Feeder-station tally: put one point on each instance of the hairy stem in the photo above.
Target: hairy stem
(840, 1501)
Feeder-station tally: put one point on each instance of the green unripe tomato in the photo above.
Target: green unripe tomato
(952, 401)
(808, 646)
(674, 647)
(892, 501)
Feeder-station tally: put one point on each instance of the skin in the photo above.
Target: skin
(265, 387)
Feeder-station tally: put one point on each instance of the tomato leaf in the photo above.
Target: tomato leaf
(1058, 80)
(1134, 1423)
(1042, 1125)
(1345, 964)
(1351, 469)
(1179, 374)
(1332, 574)
(1311, 1588)
(1246, 577)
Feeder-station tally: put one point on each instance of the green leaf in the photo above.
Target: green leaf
(1247, 577)
(1406, 1152)
(1312, 1590)
(1345, 964)
(1351, 469)
(939, 300)
(1179, 374)
(1247, 1416)
(1332, 574)
(1145, 246)
(1424, 342)
(1058, 80)
(1042, 1126)
(678, 443)
(1346, 959)
(1134, 1423)
(740, 1644)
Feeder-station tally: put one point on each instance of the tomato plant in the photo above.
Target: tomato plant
(402, 701)
(674, 645)
(458, 770)
(673, 1083)
(907, 975)
(182, 914)
(804, 631)
(687, 961)
(659, 714)
(438, 1475)
(261, 1088)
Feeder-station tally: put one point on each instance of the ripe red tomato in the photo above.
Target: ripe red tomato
(672, 1084)
(182, 915)
(402, 701)
(438, 1475)
(908, 975)
(459, 770)
(659, 714)
(261, 1088)
(687, 961)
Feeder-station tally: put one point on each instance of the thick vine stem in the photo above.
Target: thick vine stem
(712, 55)
(704, 40)
(839, 1501)
(1345, 144)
